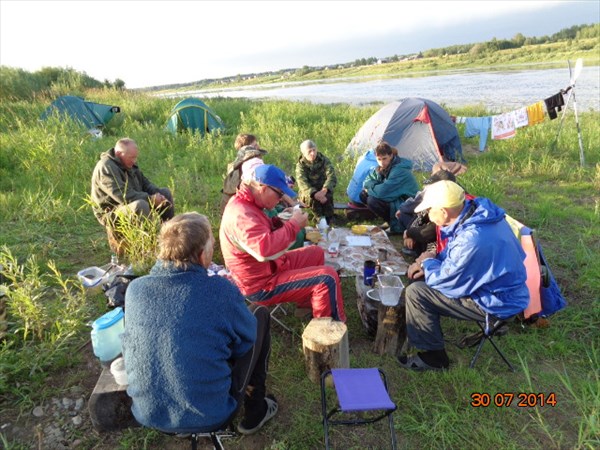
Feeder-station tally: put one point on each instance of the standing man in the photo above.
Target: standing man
(193, 351)
(479, 272)
(255, 250)
(316, 180)
(119, 185)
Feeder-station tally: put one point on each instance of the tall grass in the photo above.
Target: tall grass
(49, 233)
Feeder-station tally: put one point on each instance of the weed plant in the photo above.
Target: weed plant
(48, 233)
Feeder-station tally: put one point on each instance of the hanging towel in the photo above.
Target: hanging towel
(478, 126)
(459, 119)
(521, 117)
(556, 102)
(535, 113)
(503, 126)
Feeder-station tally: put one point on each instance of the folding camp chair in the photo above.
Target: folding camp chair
(358, 391)
(226, 432)
(535, 279)
(274, 309)
(491, 327)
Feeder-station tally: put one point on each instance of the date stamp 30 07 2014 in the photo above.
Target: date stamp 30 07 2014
(505, 399)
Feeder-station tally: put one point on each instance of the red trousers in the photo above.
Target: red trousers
(301, 277)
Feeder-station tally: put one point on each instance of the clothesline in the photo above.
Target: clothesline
(504, 126)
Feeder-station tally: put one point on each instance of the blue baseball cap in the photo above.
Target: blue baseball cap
(272, 176)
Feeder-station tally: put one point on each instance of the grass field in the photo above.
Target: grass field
(48, 233)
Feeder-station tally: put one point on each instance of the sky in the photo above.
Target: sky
(150, 43)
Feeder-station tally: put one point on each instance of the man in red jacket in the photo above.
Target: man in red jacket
(255, 249)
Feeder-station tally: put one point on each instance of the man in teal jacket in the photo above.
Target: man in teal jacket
(480, 271)
(390, 184)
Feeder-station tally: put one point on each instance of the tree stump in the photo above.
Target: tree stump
(367, 308)
(391, 329)
(325, 346)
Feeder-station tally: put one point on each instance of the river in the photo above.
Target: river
(497, 91)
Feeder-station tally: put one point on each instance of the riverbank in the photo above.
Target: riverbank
(528, 57)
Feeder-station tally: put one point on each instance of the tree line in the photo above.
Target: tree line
(20, 84)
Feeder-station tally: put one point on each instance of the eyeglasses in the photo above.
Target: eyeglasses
(279, 193)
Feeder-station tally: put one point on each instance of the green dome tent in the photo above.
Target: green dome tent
(92, 115)
(194, 115)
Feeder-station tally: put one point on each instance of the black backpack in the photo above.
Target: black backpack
(115, 290)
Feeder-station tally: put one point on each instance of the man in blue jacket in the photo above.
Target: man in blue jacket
(193, 351)
(479, 271)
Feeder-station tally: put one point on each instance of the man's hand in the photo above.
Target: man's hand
(425, 255)
(300, 218)
(409, 243)
(321, 196)
(157, 199)
(414, 271)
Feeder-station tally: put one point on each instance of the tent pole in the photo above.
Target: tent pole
(562, 119)
(579, 137)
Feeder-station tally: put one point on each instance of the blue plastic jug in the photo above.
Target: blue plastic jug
(106, 334)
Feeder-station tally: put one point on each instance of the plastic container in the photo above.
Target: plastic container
(323, 227)
(92, 277)
(390, 288)
(117, 368)
(106, 335)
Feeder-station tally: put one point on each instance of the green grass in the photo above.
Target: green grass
(48, 233)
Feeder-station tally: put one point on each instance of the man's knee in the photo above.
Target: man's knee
(139, 207)
(414, 292)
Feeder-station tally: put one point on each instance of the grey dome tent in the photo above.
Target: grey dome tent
(420, 129)
(92, 115)
(193, 114)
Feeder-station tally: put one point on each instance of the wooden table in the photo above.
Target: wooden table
(386, 323)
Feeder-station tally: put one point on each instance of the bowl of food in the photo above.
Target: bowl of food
(313, 236)
(359, 229)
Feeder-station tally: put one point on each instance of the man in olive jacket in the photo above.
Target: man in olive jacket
(119, 185)
(316, 180)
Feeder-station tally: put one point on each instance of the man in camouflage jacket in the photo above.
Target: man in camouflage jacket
(316, 180)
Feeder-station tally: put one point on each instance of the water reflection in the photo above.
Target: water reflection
(495, 90)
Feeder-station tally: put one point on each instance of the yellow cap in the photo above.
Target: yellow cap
(443, 194)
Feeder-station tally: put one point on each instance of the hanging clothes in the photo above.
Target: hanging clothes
(556, 102)
(459, 119)
(535, 113)
(478, 126)
(503, 126)
(521, 118)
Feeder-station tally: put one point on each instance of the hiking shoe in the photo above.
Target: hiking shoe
(252, 425)
(414, 362)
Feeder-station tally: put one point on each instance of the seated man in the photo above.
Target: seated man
(364, 165)
(255, 250)
(119, 185)
(388, 185)
(480, 271)
(192, 348)
(248, 149)
(316, 180)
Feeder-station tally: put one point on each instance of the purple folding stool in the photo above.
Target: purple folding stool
(358, 391)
